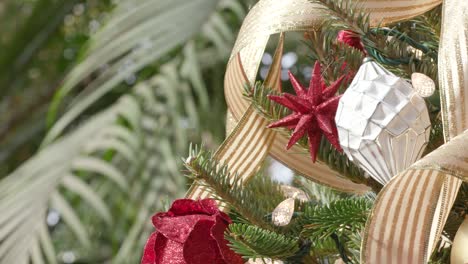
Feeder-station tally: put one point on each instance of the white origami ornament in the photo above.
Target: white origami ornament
(383, 124)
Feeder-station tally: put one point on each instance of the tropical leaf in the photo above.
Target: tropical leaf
(155, 29)
(40, 40)
(121, 161)
(30, 188)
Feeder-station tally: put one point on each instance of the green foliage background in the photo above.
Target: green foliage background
(99, 99)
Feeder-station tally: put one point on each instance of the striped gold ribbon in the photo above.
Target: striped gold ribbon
(249, 143)
(411, 210)
(267, 18)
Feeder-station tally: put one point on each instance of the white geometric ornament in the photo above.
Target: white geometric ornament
(383, 124)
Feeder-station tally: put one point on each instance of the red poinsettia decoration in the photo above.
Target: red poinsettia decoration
(191, 232)
(313, 109)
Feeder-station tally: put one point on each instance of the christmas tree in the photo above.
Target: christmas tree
(345, 136)
(372, 109)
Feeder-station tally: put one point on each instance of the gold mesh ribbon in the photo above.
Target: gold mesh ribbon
(411, 210)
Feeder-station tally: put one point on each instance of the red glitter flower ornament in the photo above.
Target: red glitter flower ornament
(191, 232)
(313, 109)
(350, 38)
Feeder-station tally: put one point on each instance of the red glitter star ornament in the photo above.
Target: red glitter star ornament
(313, 109)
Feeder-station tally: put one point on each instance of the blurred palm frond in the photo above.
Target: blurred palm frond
(106, 167)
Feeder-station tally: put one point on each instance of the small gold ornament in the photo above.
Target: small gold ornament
(422, 84)
(283, 213)
(459, 253)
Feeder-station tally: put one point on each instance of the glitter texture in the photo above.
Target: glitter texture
(191, 232)
(313, 111)
(283, 213)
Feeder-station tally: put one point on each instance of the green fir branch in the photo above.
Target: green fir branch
(345, 14)
(427, 27)
(309, 235)
(430, 50)
(253, 200)
(316, 192)
(348, 15)
(353, 246)
(324, 248)
(404, 48)
(254, 242)
(345, 216)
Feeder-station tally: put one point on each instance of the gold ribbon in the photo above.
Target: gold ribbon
(247, 146)
(411, 210)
